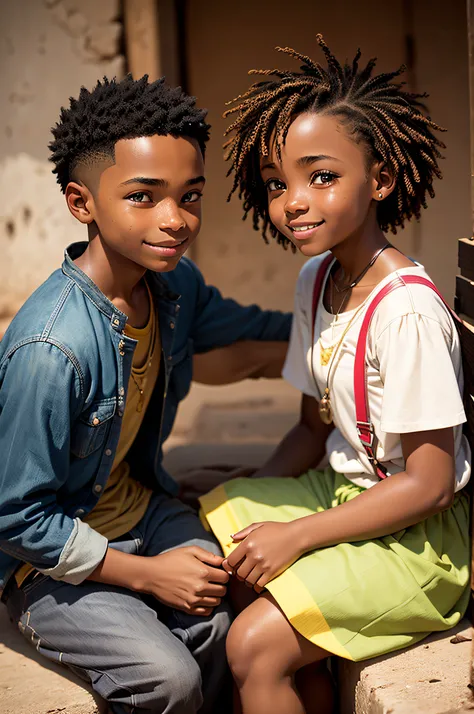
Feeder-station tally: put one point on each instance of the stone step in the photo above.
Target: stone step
(429, 678)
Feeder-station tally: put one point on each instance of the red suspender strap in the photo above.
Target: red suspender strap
(365, 428)
(318, 286)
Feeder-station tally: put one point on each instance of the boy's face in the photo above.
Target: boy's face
(147, 204)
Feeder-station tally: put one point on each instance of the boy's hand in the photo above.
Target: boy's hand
(189, 579)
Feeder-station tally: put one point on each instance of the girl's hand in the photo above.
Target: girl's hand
(266, 550)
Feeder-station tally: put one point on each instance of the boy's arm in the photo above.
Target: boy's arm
(221, 321)
(247, 359)
(40, 395)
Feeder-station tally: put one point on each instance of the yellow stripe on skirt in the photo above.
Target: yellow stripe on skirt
(355, 600)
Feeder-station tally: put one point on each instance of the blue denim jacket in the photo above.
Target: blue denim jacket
(64, 368)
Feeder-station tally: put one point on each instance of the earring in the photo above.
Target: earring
(380, 195)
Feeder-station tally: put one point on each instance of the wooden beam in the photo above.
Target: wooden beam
(466, 260)
(142, 38)
(470, 24)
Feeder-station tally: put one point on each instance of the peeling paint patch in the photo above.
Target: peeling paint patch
(94, 40)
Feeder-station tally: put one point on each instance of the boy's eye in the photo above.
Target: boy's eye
(139, 197)
(275, 185)
(323, 178)
(191, 197)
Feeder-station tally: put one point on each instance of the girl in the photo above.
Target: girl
(370, 553)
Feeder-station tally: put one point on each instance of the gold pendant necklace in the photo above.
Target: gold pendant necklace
(149, 356)
(141, 393)
(325, 354)
(325, 411)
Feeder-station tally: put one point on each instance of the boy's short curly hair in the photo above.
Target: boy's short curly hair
(375, 109)
(116, 110)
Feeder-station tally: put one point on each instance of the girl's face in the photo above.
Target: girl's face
(321, 192)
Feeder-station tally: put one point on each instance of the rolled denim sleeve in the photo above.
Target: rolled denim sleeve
(220, 321)
(40, 396)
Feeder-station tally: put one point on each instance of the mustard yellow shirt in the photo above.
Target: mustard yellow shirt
(125, 500)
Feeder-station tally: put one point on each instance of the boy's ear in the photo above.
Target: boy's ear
(80, 202)
(383, 181)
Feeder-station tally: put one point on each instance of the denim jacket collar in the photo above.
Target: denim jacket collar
(118, 319)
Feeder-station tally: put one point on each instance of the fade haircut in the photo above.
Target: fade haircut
(374, 109)
(115, 110)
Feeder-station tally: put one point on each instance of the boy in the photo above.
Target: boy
(102, 568)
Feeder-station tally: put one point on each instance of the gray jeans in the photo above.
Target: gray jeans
(137, 654)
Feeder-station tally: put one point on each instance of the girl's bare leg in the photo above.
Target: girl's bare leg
(316, 687)
(264, 653)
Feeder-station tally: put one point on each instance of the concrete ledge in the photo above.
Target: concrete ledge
(429, 678)
(29, 684)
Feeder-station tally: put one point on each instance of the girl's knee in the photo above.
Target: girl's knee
(246, 646)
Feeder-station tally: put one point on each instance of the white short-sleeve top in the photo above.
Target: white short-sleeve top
(414, 372)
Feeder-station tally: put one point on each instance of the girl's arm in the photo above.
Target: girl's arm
(423, 489)
(302, 448)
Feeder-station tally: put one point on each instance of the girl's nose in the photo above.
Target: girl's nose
(296, 205)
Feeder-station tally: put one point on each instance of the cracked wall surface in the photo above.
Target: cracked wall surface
(48, 50)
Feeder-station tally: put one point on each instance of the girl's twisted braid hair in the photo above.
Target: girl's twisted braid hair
(374, 109)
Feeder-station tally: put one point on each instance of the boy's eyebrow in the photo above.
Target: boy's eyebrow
(196, 180)
(161, 183)
(306, 160)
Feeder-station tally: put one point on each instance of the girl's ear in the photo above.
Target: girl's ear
(80, 202)
(383, 181)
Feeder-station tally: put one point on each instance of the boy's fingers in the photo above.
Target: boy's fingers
(218, 575)
(227, 567)
(213, 590)
(206, 556)
(209, 601)
(202, 611)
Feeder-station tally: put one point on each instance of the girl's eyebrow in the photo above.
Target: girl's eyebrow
(306, 160)
(268, 165)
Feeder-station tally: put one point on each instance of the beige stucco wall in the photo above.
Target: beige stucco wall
(227, 39)
(48, 49)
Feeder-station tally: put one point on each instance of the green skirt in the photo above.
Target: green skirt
(355, 600)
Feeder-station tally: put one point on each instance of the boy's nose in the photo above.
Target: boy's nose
(171, 218)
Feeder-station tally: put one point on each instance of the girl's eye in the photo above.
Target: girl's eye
(191, 197)
(275, 185)
(139, 197)
(323, 178)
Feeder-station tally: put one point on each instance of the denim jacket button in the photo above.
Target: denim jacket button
(95, 421)
(80, 512)
(108, 452)
(97, 488)
(172, 325)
